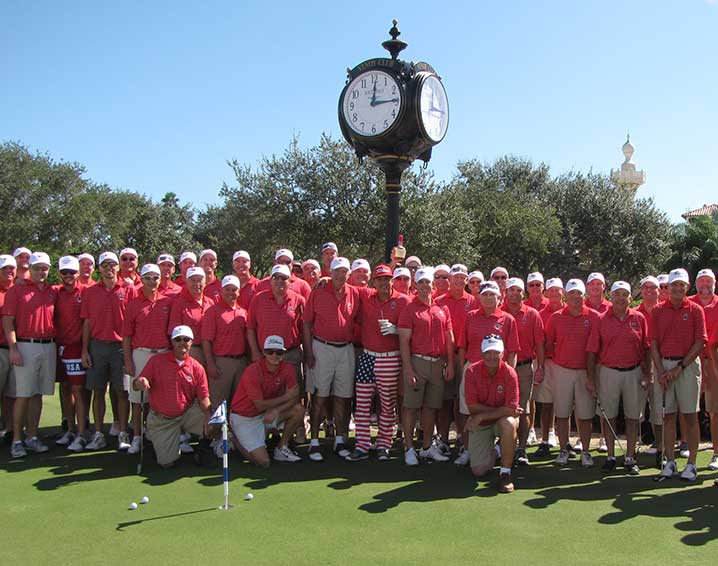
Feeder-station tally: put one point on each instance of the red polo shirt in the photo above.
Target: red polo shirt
(601, 308)
(479, 325)
(299, 286)
(169, 288)
(458, 309)
(33, 309)
(174, 388)
(146, 321)
(213, 290)
(543, 305)
(567, 336)
(711, 312)
(105, 309)
(186, 310)
(620, 343)
(258, 384)
(3, 293)
(676, 329)
(530, 329)
(333, 317)
(269, 318)
(226, 328)
(68, 323)
(373, 309)
(134, 277)
(428, 325)
(247, 292)
(500, 390)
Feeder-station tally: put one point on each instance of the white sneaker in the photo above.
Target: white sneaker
(285, 454)
(123, 441)
(586, 460)
(652, 450)
(552, 440)
(17, 450)
(78, 445)
(532, 438)
(562, 458)
(578, 447)
(135, 446)
(186, 448)
(115, 429)
(34, 445)
(713, 464)
(464, 458)
(689, 473)
(65, 439)
(669, 469)
(602, 446)
(433, 453)
(684, 452)
(410, 458)
(98, 442)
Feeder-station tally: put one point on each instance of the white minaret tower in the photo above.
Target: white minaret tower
(627, 177)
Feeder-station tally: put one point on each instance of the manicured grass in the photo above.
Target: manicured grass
(61, 508)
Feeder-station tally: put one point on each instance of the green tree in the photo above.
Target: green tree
(695, 244)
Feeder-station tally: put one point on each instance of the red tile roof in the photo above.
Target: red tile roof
(705, 210)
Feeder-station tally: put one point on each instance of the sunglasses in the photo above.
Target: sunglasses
(67, 272)
(441, 276)
(535, 284)
(284, 261)
(499, 277)
(664, 286)
(182, 339)
(273, 352)
(127, 258)
(276, 276)
(151, 277)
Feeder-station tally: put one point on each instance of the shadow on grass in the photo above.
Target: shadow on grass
(126, 524)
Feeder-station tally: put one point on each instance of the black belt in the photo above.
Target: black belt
(523, 363)
(334, 344)
(624, 369)
(36, 340)
(673, 358)
(232, 356)
(4, 347)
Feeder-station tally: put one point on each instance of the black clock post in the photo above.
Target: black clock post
(394, 112)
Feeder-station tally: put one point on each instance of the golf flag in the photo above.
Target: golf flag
(219, 417)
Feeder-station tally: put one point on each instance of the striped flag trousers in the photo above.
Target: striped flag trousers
(382, 375)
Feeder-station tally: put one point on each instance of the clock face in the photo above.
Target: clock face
(372, 103)
(434, 108)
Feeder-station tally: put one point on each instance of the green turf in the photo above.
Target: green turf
(72, 509)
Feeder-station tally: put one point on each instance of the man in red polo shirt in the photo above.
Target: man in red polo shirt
(379, 364)
(167, 286)
(360, 273)
(311, 271)
(535, 289)
(705, 297)
(186, 260)
(224, 341)
(622, 349)
(242, 265)
(128, 267)
(28, 321)
(595, 288)
(212, 284)
(476, 278)
(500, 275)
(664, 292)
(87, 268)
(328, 331)
(103, 313)
(531, 340)
(68, 325)
(492, 395)
(300, 286)
(426, 342)
(179, 400)
(677, 329)
(441, 280)
(567, 333)
(22, 260)
(189, 307)
(144, 335)
(266, 398)
(8, 268)
(329, 252)
(401, 281)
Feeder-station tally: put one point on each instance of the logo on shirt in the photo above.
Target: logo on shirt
(499, 389)
(78, 299)
(120, 295)
(187, 376)
(586, 323)
(392, 305)
(290, 309)
(498, 326)
(634, 324)
(685, 316)
(524, 320)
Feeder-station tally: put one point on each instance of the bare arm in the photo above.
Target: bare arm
(8, 323)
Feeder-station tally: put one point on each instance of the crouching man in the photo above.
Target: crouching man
(180, 396)
(491, 387)
(266, 398)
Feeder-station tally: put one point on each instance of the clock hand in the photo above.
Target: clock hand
(378, 102)
(373, 96)
(435, 109)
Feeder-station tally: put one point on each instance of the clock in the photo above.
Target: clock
(372, 103)
(433, 106)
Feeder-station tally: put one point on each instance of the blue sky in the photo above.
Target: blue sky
(157, 96)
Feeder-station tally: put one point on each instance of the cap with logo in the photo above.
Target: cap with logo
(68, 262)
(425, 273)
(7, 260)
(108, 256)
(476, 275)
(241, 254)
(182, 330)
(230, 280)
(284, 253)
(207, 252)
(442, 268)
(492, 343)
(401, 272)
(489, 287)
(496, 270)
(192, 271)
(274, 343)
(313, 262)
(679, 274)
(188, 255)
(618, 285)
(459, 269)
(129, 251)
(649, 279)
(515, 282)
(330, 246)
(706, 273)
(282, 270)
(360, 264)
(535, 276)
(381, 271)
(19, 251)
(165, 258)
(662, 278)
(596, 275)
(575, 285)
(149, 268)
(554, 282)
(86, 256)
(340, 263)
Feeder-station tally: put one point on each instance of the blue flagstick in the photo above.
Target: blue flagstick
(221, 416)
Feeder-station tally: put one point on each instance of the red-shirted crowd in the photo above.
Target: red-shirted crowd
(414, 347)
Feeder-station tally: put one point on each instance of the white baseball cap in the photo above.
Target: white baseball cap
(476, 275)
(188, 255)
(490, 287)
(86, 256)
(108, 256)
(149, 268)
(40, 258)
(401, 272)
(274, 343)
(192, 271)
(492, 343)
(182, 330)
(424, 273)
(706, 273)
(575, 285)
(241, 254)
(360, 264)
(68, 262)
(413, 259)
(554, 282)
(534, 276)
(662, 278)
(649, 279)
(6, 259)
(621, 285)
(128, 251)
(330, 246)
(679, 274)
(165, 258)
(596, 275)
(459, 269)
(442, 268)
(284, 252)
(208, 252)
(515, 282)
(281, 269)
(340, 263)
(231, 280)
(19, 251)
(496, 270)
(313, 262)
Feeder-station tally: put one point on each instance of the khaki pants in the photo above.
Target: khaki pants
(222, 387)
(165, 432)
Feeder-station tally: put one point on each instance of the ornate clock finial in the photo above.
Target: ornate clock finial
(394, 45)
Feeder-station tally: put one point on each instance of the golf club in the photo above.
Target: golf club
(610, 427)
(142, 432)
(660, 478)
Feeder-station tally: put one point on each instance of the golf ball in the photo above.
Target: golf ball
(145, 499)
(133, 505)
(249, 497)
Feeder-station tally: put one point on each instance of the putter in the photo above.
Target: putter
(142, 432)
(659, 478)
(610, 427)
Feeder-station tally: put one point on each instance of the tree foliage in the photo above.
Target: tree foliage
(695, 244)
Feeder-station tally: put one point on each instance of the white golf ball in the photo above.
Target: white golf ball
(249, 497)
(133, 505)
(145, 499)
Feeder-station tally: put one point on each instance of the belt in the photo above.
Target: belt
(673, 358)
(37, 340)
(4, 347)
(524, 362)
(427, 358)
(334, 344)
(624, 369)
(393, 354)
(232, 356)
(153, 350)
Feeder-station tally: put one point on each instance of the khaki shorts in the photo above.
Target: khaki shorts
(333, 371)
(683, 394)
(165, 432)
(140, 359)
(481, 444)
(568, 387)
(222, 387)
(542, 392)
(36, 375)
(526, 383)
(5, 367)
(712, 396)
(294, 356)
(451, 389)
(251, 432)
(614, 386)
(429, 389)
(463, 407)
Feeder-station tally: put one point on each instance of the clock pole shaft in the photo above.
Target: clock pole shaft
(393, 167)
